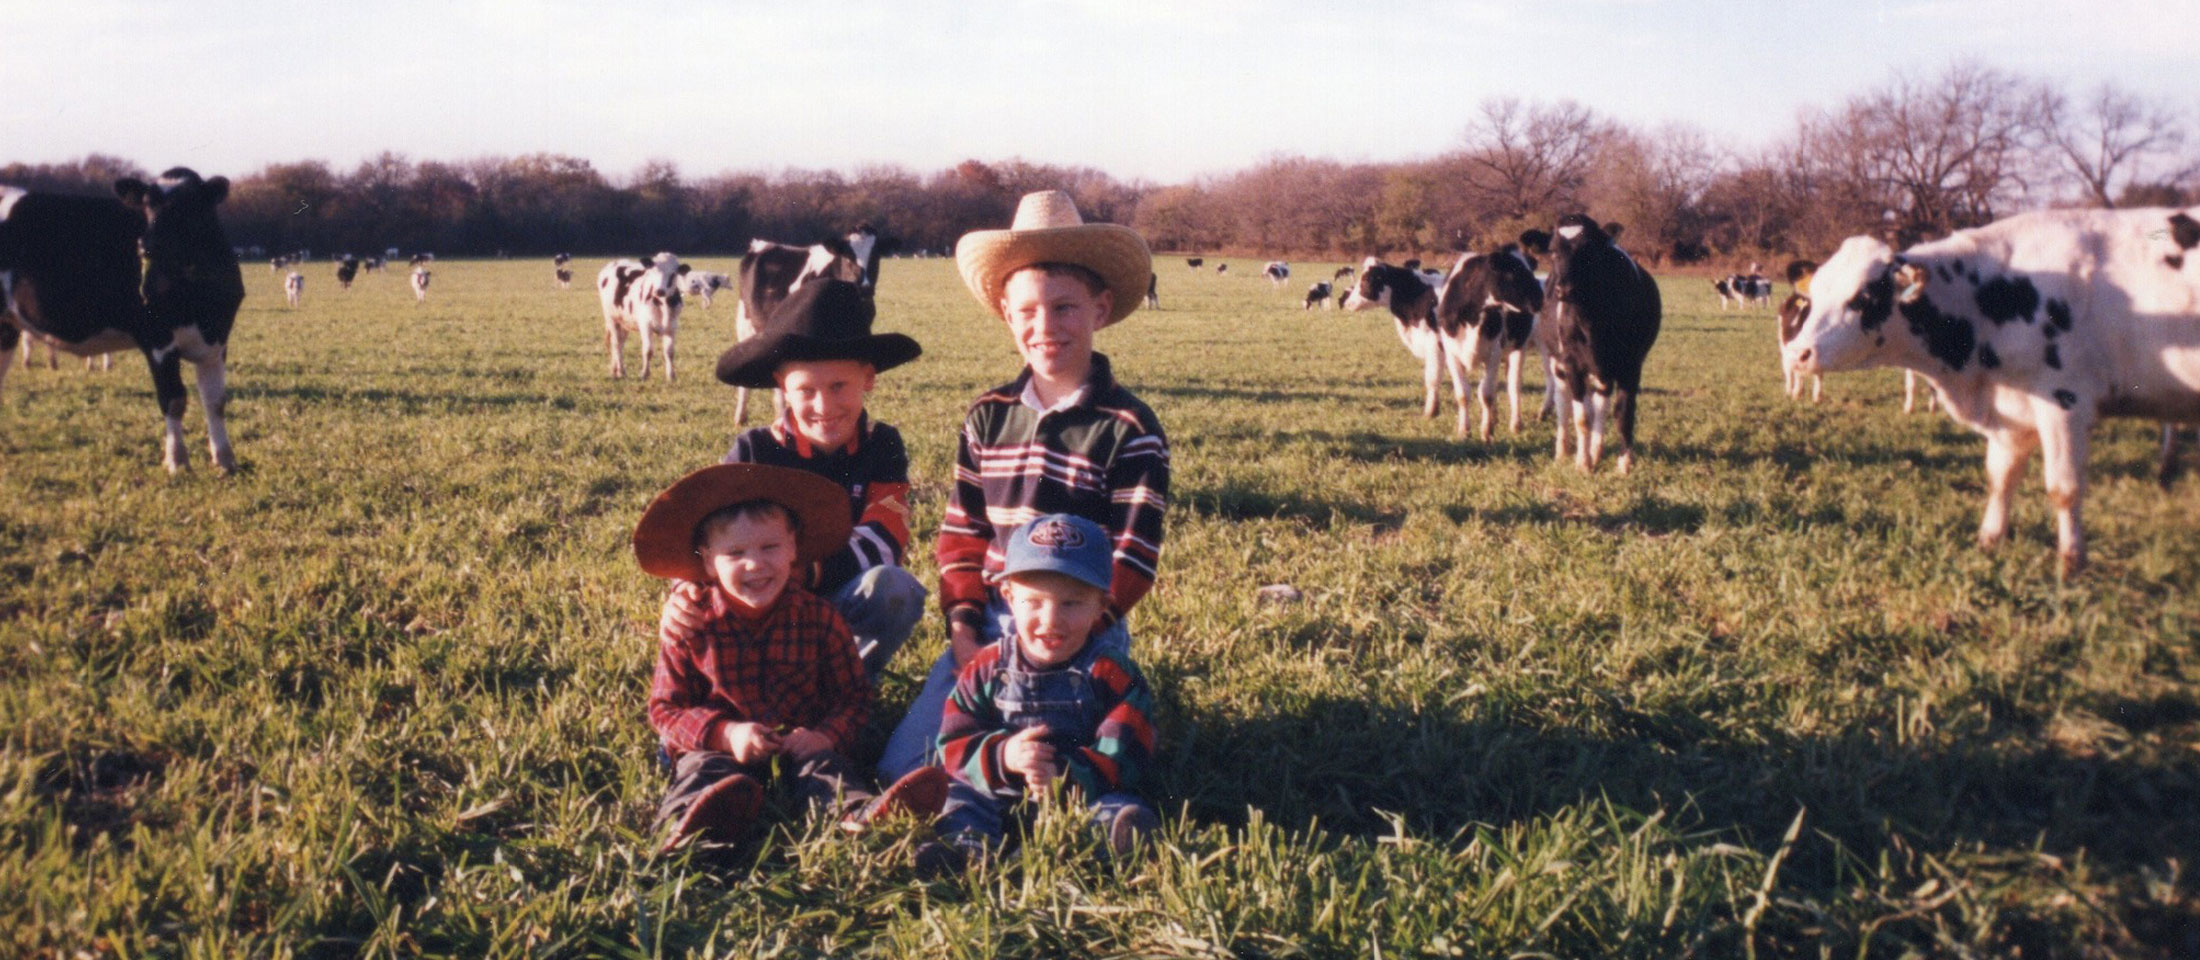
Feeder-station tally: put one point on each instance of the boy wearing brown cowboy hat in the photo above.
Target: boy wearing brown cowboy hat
(749, 665)
(1063, 437)
(817, 348)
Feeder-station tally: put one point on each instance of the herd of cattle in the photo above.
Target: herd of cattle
(2026, 330)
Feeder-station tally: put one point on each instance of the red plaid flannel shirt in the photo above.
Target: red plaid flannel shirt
(792, 665)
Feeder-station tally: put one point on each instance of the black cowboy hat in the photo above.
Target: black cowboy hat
(825, 320)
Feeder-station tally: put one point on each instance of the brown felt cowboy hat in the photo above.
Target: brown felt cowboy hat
(1048, 229)
(664, 541)
(824, 320)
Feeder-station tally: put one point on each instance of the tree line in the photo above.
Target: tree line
(1917, 156)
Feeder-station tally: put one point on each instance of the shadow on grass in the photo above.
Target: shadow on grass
(440, 401)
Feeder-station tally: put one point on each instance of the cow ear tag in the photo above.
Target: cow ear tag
(1911, 277)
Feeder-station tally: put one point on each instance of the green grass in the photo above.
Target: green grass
(382, 693)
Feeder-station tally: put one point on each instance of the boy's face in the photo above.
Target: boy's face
(825, 398)
(1054, 615)
(1052, 318)
(750, 556)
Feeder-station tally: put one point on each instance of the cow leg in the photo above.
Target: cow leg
(213, 375)
(1623, 409)
(1512, 388)
(643, 329)
(614, 338)
(1432, 368)
(740, 406)
(1485, 397)
(9, 336)
(168, 391)
(1909, 391)
(53, 356)
(1817, 387)
(2166, 476)
(667, 338)
(2063, 443)
(2006, 452)
(1600, 410)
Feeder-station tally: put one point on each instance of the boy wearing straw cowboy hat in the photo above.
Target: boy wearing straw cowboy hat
(817, 348)
(1063, 437)
(751, 667)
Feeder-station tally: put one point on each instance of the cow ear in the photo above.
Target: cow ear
(217, 190)
(684, 268)
(1799, 273)
(1614, 229)
(1536, 240)
(132, 192)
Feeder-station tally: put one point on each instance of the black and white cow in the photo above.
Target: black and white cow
(1792, 312)
(1412, 304)
(1153, 291)
(769, 272)
(1343, 273)
(1605, 311)
(2029, 329)
(640, 297)
(1486, 310)
(420, 278)
(1276, 271)
(1222, 268)
(1318, 294)
(703, 284)
(347, 270)
(1742, 290)
(422, 259)
(70, 276)
(1195, 262)
(560, 268)
(294, 288)
(865, 244)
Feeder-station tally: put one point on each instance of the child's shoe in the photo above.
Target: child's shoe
(921, 793)
(720, 813)
(1131, 826)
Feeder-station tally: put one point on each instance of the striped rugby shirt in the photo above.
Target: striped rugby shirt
(873, 468)
(1102, 456)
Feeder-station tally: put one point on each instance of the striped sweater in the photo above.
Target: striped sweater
(873, 468)
(1103, 458)
(1111, 757)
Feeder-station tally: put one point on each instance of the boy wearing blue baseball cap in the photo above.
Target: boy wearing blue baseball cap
(1047, 704)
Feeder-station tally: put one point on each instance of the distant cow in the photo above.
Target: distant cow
(560, 270)
(1792, 312)
(1343, 273)
(70, 275)
(1486, 311)
(1317, 294)
(294, 287)
(644, 298)
(422, 258)
(1153, 291)
(1276, 271)
(867, 246)
(1195, 262)
(1412, 305)
(769, 272)
(1605, 311)
(2029, 329)
(347, 270)
(420, 277)
(1222, 268)
(699, 283)
(1742, 289)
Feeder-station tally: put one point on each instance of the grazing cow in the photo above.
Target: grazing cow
(1487, 310)
(769, 272)
(1153, 291)
(420, 278)
(642, 297)
(1343, 273)
(375, 264)
(699, 283)
(1605, 310)
(1792, 312)
(347, 270)
(2029, 329)
(70, 276)
(1317, 294)
(1412, 304)
(1276, 271)
(294, 287)
(1195, 262)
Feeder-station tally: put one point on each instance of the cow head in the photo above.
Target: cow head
(669, 270)
(1575, 242)
(1512, 283)
(1850, 299)
(179, 214)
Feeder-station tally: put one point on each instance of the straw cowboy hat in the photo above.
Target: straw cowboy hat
(1048, 229)
(664, 541)
(825, 320)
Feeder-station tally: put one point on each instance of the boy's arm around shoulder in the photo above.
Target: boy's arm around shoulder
(972, 736)
(680, 707)
(1123, 743)
(840, 676)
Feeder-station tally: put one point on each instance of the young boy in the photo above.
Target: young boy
(749, 665)
(1063, 437)
(1048, 703)
(818, 349)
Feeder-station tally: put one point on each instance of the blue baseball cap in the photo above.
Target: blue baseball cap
(1061, 543)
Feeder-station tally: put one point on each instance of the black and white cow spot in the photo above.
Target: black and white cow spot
(2185, 230)
(2066, 399)
(2054, 356)
(2002, 300)
(1987, 358)
(1950, 339)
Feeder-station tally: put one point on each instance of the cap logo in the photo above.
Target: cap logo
(1055, 533)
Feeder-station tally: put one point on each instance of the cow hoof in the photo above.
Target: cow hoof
(226, 463)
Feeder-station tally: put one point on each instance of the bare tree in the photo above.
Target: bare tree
(1531, 159)
(1943, 153)
(2108, 140)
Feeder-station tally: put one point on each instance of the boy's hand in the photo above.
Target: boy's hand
(962, 640)
(1028, 754)
(803, 743)
(749, 742)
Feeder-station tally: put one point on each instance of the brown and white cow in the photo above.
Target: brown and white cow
(70, 276)
(2030, 329)
(644, 298)
(770, 271)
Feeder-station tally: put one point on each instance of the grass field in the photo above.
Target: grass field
(382, 692)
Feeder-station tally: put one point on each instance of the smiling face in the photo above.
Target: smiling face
(825, 398)
(750, 553)
(1054, 615)
(1052, 317)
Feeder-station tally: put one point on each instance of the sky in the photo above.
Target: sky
(1157, 91)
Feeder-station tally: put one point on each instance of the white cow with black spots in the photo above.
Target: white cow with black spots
(2029, 329)
(643, 298)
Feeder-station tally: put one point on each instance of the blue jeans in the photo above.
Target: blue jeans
(971, 818)
(882, 606)
(915, 740)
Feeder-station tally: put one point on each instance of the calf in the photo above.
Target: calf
(1792, 311)
(1317, 294)
(420, 278)
(769, 272)
(1486, 310)
(559, 268)
(1605, 311)
(2030, 329)
(1195, 262)
(294, 287)
(1276, 271)
(698, 283)
(1412, 305)
(643, 297)
(346, 271)
(70, 276)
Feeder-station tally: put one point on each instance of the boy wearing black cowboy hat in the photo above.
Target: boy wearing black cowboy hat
(817, 348)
